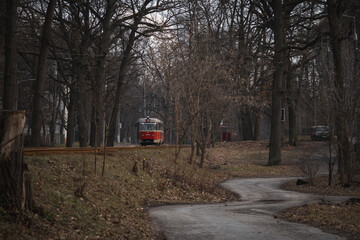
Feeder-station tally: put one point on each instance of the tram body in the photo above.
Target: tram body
(151, 131)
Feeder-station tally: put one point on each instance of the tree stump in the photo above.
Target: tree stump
(15, 187)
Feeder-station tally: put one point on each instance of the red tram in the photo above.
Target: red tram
(151, 131)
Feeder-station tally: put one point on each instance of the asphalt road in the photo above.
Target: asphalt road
(252, 217)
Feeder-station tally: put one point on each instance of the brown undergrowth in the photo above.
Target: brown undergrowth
(74, 203)
(342, 218)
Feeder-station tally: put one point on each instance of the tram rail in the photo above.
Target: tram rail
(29, 151)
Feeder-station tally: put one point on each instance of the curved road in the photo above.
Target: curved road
(252, 217)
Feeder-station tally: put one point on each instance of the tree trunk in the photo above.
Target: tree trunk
(278, 83)
(82, 106)
(202, 157)
(53, 118)
(40, 76)
(357, 146)
(292, 122)
(10, 85)
(335, 11)
(99, 84)
(80, 88)
(2, 34)
(63, 123)
(93, 129)
(71, 119)
(120, 87)
(97, 126)
(193, 143)
(257, 126)
(99, 121)
(15, 188)
(276, 134)
(247, 125)
(197, 149)
(330, 163)
(292, 108)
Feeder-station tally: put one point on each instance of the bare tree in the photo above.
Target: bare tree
(15, 184)
(344, 108)
(98, 81)
(141, 26)
(10, 84)
(76, 32)
(40, 76)
(278, 26)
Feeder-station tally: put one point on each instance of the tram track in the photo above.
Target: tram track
(28, 151)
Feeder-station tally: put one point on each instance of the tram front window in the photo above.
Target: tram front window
(147, 126)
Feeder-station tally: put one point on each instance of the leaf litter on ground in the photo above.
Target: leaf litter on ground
(74, 203)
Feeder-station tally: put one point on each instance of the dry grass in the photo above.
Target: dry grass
(75, 203)
(343, 219)
(321, 187)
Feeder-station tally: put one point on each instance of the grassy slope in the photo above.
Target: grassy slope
(73, 204)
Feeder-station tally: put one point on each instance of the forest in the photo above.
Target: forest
(86, 70)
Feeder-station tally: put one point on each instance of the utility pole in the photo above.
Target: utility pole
(144, 100)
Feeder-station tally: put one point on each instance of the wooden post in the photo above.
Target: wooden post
(15, 188)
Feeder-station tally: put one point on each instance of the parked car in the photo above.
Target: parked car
(320, 133)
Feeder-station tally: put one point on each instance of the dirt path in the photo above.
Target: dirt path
(252, 217)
